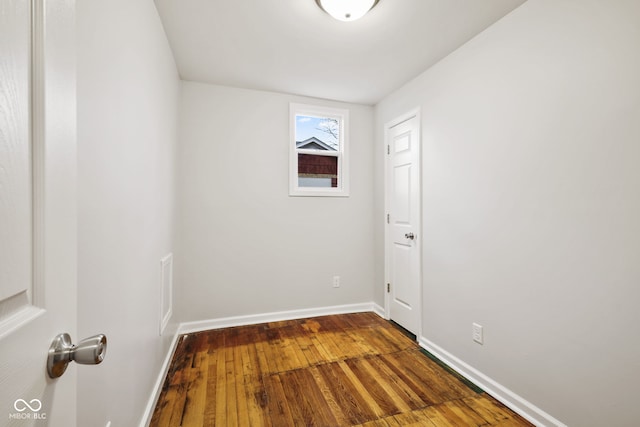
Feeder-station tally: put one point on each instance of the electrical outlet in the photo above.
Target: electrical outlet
(336, 281)
(477, 333)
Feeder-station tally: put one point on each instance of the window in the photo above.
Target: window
(318, 151)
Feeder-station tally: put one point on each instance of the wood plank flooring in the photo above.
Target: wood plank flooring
(343, 370)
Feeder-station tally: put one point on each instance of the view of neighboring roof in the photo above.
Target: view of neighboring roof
(314, 143)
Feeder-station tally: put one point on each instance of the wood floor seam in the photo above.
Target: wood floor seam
(342, 370)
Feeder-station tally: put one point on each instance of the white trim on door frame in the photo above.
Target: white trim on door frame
(415, 112)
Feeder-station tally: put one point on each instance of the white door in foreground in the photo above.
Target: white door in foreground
(37, 208)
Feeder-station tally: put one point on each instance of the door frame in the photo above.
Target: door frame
(415, 112)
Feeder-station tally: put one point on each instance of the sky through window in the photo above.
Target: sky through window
(326, 129)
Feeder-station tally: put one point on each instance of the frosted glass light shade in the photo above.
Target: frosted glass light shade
(346, 10)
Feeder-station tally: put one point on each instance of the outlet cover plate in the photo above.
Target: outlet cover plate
(477, 334)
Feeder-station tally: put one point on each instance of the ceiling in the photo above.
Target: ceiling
(292, 46)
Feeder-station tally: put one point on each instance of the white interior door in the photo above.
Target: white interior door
(403, 221)
(37, 208)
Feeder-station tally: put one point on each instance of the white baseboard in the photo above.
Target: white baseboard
(510, 399)
(157, 387)
(253, 319)
(226, 322)
(379, 311)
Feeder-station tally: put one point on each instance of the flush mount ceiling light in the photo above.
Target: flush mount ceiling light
(347, 10)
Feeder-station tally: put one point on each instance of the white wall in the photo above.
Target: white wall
(531, 203)
(128, 90)
(246, 247)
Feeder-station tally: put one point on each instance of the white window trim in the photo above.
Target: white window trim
(342, 190)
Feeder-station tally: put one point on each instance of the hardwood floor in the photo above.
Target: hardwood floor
(343, 370)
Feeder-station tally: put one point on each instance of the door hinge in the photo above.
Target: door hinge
(388, 149)
(388, 219)
(388, 287)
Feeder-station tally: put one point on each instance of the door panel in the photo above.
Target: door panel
(403, 229)
(401, 275)
(401, 195)
(402, 143)
(38, 202)
(15, 159)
